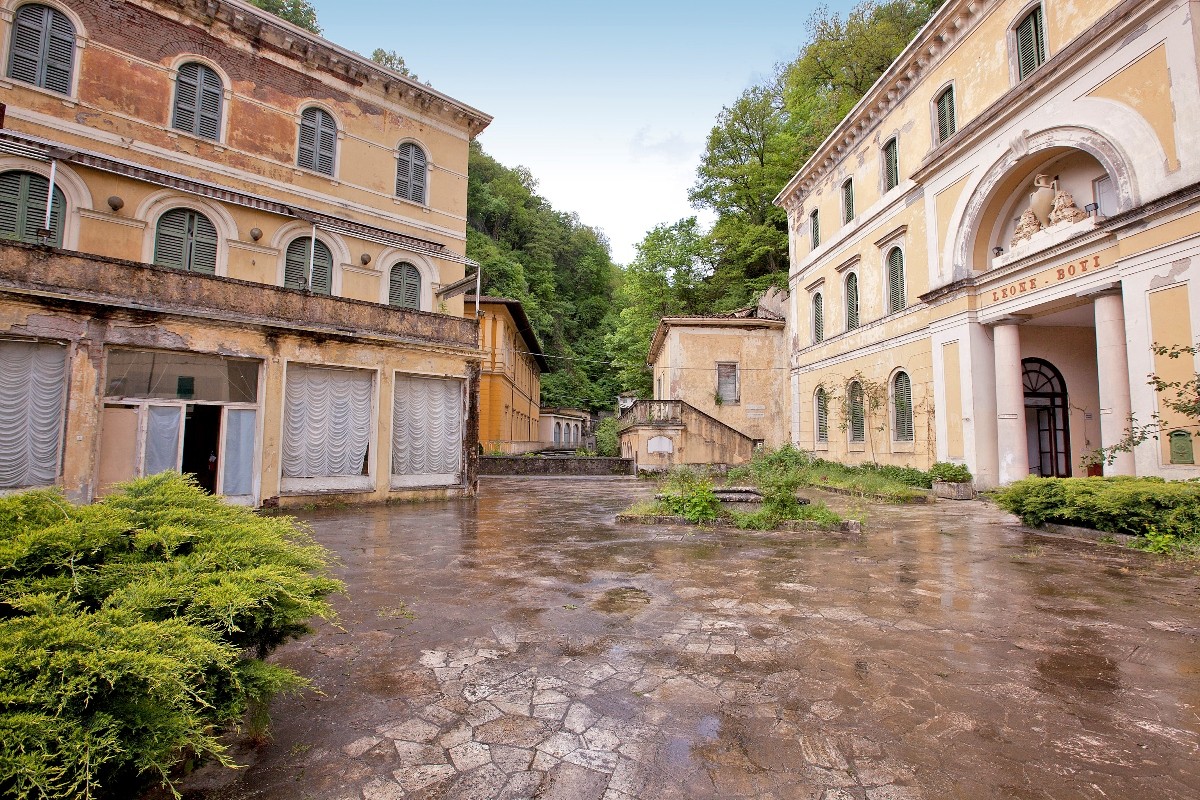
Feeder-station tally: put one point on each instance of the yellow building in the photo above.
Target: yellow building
(240, 273)
(985, 249)
(510, 384)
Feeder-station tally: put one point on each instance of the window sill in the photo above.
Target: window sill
(334, 484)
(821, 447)
(904, 447)
(856, 447)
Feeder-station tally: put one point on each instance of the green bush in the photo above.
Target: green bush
(689, 493)
(951, 473)
(133, 631)
(1135, 506)
(608, 442)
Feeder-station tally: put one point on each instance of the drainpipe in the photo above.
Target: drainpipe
(50, 194)
(312, 256)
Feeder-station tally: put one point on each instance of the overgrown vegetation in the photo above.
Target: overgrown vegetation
(133, 632)
(688, 493)
(875, 481)
(951, 473)
(608, 441)
(1166, 514)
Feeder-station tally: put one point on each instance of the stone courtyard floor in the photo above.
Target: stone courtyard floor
(946, 652)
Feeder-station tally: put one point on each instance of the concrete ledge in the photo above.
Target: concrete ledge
(1077, 532)
(535, 465)
(791, 525)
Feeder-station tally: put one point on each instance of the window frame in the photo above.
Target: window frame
(420, 285)
(821, 418)
(856, 437)
(39, 83)
(848, 201)
(59, 230)
(947, 90)
(1036, 12)
(894, 401)
(890, 163)
(856, 316)
(890, 283)
(337, 135)
(306, 235)
(224, 95)
(817, 317)
(814, 228)
(413, 146)
(737, 382)
(344, 483)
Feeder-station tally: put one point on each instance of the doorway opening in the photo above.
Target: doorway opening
(1047, 419)
(202, 445)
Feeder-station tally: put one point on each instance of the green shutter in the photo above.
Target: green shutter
(851, 301)
(318, 141)
(848, 201)
(23, 207)
(295, 264)
(410, 173)
(822, 415)
(198, 97)
(203, 245)
(404, 288)
(902, 402)
(818, 310)
(306, 154)
(858, 416)
(945, 113)
(891, 165)
(322, 274)
(42, 48)
(815, 217)
(895, 273)
(171, 239)
(1031, 45)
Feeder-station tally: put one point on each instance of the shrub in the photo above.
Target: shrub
(951, 473)
(133, 631)
(608, 442)
(1136, 506)
(689, 493)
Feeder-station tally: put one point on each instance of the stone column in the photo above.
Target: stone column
(1011, 436)
(1112, 361)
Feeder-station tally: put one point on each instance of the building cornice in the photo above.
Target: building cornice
(264, 30)
(666, 323)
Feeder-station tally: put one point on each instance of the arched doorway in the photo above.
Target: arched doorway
(1047, 419)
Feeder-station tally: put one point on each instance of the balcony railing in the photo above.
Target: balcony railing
(652, 412)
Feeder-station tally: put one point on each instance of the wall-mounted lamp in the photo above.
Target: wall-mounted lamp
(255, 234)
(365, 258)
(997, 250)
(1092, 208)
(115, 203)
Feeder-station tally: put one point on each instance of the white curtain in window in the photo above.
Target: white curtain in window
(427, 427)
(327, 422)
(162, 439)
(239, 452)
(32, 383)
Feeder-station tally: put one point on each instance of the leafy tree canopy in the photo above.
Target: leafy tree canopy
(297, 12)
(393, 61)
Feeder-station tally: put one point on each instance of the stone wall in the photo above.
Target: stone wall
(531, 465)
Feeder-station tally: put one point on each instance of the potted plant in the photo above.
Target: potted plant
(952, 481)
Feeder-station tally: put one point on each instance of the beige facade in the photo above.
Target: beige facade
(510, 388)
(986, 248)
(250, 232)
(566, 428)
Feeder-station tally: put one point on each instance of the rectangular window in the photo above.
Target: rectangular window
(165, 375)
(32, 387)
(1031, 43)
(946, 121)
(727, 383)
(848, 201)
(427, 431)
(327, 427)
(891, 166)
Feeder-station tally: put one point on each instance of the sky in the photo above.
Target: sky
(608, 105)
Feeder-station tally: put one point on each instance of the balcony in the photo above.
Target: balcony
(652, 412)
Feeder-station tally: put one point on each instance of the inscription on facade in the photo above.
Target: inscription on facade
(1050, 277)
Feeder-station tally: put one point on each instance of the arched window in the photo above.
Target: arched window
(848, 201)
(815, 222)
(404, 289)
(822, 414)
(858, 412)
(1031, 43)
(410, 173)
(851, 301)
(23, 207)
(300, 253)
(42, 49)
(318, 141)
(897, 299)
(902, 410)
(818, 319)
(891, 165)
(557, 432)
(186, 239)
(198, 97)
(946, 123)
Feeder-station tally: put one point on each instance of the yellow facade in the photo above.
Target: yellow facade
(510, 388)
(1013, 273)
(372, 212)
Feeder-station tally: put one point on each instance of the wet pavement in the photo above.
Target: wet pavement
(946, 652)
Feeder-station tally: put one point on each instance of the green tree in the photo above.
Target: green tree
(393, 61)
(297, 12)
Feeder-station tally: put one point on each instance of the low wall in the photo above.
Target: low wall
(535, 465)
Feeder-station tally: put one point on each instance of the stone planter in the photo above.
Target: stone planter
(953, 491)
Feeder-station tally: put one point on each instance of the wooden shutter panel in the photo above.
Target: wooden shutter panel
(404, 289)
(896, 293)
(211, 91)
(170, 239)
(28, 39)
(1030, 43)
(945, 112)
(404, 171)
(822, 416)
(816, 229)
(818, 311)
(187, 89)
(858, 422)
(848, 201)
(23, 207)
(902, 402)
(204, 245)
(306, 153)
(12, 205)
(295, 264)
(322, 275)
(851, 301)
(891, 165)
(318, 141)
(60, 53)
(418, 176)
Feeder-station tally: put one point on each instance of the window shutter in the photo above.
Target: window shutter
(404, 290)
(848, 201)
(211, 91)
(902, 401)
(306, 154)
(851, 301)
(318, 141)
(1031, 48)
(322, 275)
(858, 422)
(410, 173)
(198, 96)
(12, 205)
(295, 265)
(891, 165)
(418, 176)
(170, 239)
(818, 312)
(816, 229)
(60, 53)
(187, 89)
(204, 245)
(404, 171)
(945, 112)
(896, 294)
(43, 48)
(822, 416)
(23, 207)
